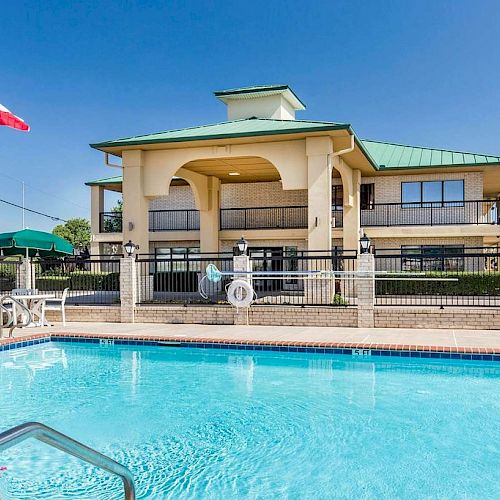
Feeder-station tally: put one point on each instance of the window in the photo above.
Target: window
(435, 194)
(175, 259)
(432, 258)
(337, 197)
(367, 196)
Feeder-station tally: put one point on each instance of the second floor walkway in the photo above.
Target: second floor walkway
(474, 212)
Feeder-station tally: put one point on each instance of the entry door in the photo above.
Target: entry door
(267, 259)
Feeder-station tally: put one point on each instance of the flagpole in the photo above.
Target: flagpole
(24, 226)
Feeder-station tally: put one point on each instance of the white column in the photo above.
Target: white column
(209, 218)
(135, 204)
(319, 193)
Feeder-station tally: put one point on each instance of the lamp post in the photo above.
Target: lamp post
(242, 246)
(364, 243)
(130, 248)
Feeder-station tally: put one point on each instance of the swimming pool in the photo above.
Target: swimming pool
(205, 423)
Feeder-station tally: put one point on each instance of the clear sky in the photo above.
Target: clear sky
(415, 72)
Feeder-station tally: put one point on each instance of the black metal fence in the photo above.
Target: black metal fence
(312, 289)
(454, 276)
(9, 273)
(175, 278)
(174, 220)
(90, 281)
(431, 213)
(293, 217)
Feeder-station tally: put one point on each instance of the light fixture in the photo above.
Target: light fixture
(242, 246)
(130, 248)
(364, 243)
(234, 173)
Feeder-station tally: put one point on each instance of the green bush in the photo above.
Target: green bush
(52, 283)
(87, 280)
(176, 281)
(7, 278)
(467, 284)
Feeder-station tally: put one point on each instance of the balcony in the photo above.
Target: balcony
(430, 213)
(295, 217)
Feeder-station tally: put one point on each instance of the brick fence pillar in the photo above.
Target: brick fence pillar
(25, 276)
(366, 290)
(243, 264)
(128, 289)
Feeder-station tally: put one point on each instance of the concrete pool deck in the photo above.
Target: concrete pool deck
(479, 341)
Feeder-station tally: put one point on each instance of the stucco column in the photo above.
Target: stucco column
(96, 207)
(351, 183)
(135, 204)
(209, 219)
(319, 192)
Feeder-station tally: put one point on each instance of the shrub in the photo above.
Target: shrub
(52, 283)
(467, 284)
(87, 280)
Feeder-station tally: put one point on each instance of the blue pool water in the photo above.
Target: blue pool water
(201, 423)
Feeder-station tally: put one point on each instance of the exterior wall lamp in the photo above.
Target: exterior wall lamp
(242, 246)
(130, 248)
(364, 243)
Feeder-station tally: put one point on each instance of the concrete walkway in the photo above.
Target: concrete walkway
(392, 337)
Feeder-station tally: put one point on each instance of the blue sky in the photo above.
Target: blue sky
(415, 72)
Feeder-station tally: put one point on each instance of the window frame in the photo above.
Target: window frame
(433, 204)
(371, 203)
(446, 264)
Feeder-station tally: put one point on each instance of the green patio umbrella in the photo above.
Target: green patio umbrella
(30, 243)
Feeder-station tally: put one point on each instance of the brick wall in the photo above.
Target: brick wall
(93, 314)
(460, 318)
(385, 317)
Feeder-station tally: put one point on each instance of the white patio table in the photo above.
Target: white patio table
(36, 304)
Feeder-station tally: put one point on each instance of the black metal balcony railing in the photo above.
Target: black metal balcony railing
(110, 222)
(431, 213)
(294, 217)
(174, 220)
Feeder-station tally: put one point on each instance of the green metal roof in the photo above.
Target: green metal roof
(389, 155)
(248, 127)
(108, 180)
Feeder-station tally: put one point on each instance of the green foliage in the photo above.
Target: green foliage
(467, 284)
(338, 300)
(76, 231)
(79, 280)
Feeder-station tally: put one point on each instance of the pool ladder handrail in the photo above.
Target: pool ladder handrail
(11, 322)
(68, 445)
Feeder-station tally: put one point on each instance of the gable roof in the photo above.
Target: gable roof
(389, 155)
(247, 127)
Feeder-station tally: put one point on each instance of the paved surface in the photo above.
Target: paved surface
(386, 336)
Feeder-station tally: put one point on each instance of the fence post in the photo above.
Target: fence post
(25, 278)
(243, 264)
(128, 289)
(366, 291)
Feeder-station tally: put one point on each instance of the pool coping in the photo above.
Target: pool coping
(345, 348)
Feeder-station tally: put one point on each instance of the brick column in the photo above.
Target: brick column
(25, 276)
(366, 291)
(241, 263)
(128, 289)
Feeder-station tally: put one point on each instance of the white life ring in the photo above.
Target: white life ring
(240, 293)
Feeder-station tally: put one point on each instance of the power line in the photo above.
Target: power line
(32, 211)
(42, 191)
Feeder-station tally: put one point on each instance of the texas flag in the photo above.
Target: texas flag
(10, 120)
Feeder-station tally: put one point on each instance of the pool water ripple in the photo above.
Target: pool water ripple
(193, 423)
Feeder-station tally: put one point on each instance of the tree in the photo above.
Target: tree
(76, 231)
(113, 222)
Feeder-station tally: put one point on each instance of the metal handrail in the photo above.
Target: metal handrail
(12, 319)
(70, 446)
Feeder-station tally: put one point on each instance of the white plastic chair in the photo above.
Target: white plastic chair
(58, 305)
